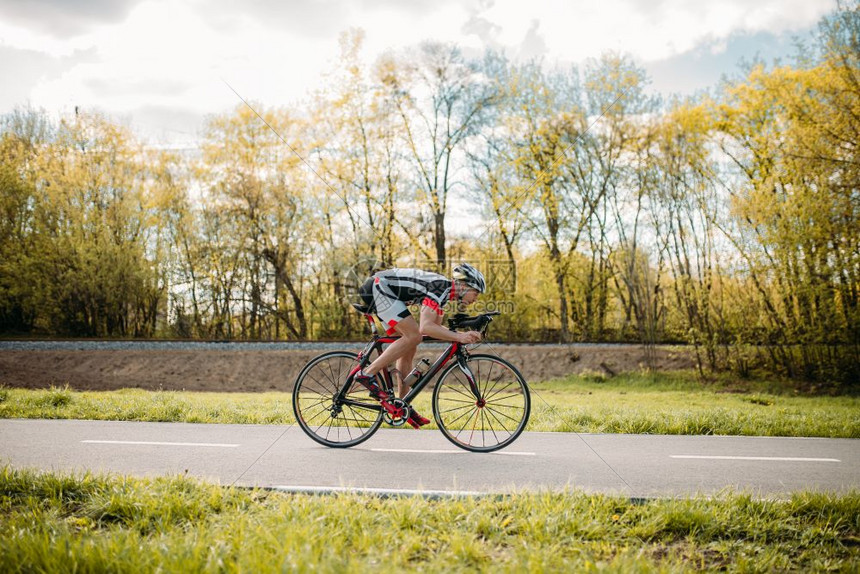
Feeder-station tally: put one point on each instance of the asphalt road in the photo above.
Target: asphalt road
(282, 457)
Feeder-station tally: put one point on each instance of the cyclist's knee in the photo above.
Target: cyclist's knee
(414, 337)
(408, 329)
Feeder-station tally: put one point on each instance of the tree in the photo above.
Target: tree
(255, 214)
(548, 128)
(20, 293)
(359, 157)
(686, 216)
(792, 134)
(492, 159)
(608, 175)
(442, 100)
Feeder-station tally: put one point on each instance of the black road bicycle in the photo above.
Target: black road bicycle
(480, 402)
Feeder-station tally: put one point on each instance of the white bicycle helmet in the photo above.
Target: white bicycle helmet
(470, 276)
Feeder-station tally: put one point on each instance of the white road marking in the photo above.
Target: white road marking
(154, 443)
(377, 491)
(774, 458)
(458, 451)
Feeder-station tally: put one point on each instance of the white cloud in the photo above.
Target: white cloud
(163, 54)
(64, 18)
(574, 31)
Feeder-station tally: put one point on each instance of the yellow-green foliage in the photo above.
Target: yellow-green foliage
(723, 220)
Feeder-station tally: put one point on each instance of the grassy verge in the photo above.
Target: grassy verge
(65, 523)
(656, 404)
(677, 403)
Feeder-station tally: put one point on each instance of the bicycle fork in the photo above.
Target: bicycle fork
(473, 384)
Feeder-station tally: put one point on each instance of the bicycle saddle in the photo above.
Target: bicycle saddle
(361, 308)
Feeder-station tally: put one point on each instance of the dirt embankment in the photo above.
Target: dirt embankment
(256, 371)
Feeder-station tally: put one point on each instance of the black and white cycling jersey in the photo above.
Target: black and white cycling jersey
(387, 293)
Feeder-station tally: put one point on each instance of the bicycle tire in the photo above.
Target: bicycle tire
(314, 394)
(493, 425)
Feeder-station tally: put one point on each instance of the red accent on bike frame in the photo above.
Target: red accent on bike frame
(451, 353)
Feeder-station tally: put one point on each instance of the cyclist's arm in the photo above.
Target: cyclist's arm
(431, 326)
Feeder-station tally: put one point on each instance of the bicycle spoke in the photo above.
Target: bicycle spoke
(333, 377)
(454, 422)
(494, 413)
(466, 391)
(486, 391)
(320, 414)
(357, 414)
(496, 410)
(320, 402)
(357, 421)
(466, 426)
(315, 415)
(490, 394)
(459, 401)
(506, 397)
(452, 411)
(496, 419)
(328, 386)
(484, 426)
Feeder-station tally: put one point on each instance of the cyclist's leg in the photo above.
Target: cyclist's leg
(397, 319)
(404, 366)
(409, 339)
(402, 351)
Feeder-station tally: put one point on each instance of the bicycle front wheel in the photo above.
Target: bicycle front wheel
(490, 422)
(322, 415)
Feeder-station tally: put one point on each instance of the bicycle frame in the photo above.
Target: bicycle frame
(453, 350)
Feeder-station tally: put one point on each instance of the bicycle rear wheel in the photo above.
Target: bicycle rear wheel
(488, 424)
(324, 418)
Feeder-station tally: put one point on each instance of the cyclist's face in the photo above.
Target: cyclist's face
(469, 296)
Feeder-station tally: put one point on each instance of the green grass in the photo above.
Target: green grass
(676, 403)
(673, 403)
(140, 405)
(87, 523)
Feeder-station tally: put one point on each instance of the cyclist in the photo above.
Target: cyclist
(387, 293)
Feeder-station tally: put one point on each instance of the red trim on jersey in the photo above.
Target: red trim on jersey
(391, 325)
(428, 302)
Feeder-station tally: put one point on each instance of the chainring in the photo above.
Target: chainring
(395, 412)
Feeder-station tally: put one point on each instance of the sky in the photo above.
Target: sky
(160, 66)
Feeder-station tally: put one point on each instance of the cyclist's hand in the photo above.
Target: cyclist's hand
(470, 337)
